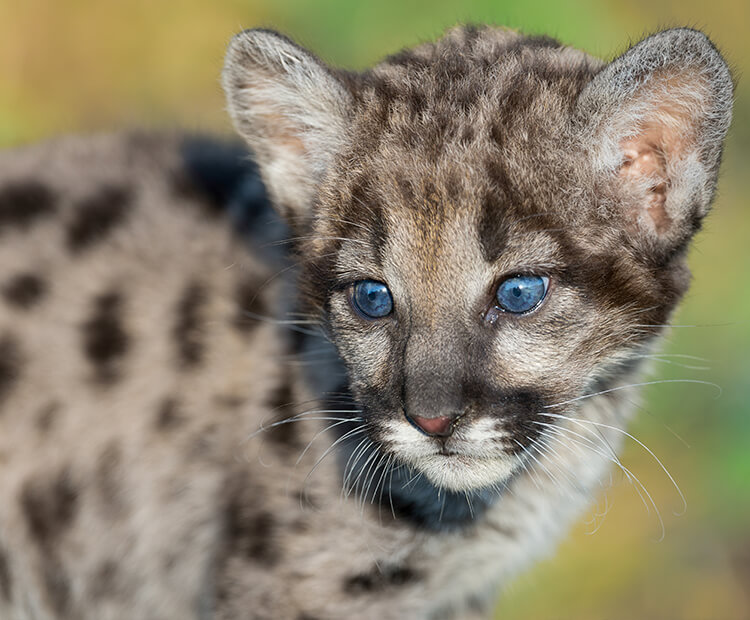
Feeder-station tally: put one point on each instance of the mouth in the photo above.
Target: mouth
(472, 457)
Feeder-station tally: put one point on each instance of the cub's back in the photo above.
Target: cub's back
(132, 365)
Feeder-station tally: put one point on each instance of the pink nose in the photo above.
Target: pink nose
(434, 426)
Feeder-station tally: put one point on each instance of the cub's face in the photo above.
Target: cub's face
(466, 312)
(493, 227)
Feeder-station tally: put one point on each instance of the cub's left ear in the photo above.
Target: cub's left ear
(656, 117)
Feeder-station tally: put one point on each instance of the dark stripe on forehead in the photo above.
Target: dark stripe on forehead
(23, 202)
(491, 227)
(96, 216)
(104, 339)
(362, 217)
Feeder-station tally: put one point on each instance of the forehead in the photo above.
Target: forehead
(472, 84)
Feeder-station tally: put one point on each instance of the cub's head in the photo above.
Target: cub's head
(491, 226)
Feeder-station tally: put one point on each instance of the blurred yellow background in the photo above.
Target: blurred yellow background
(86, 65)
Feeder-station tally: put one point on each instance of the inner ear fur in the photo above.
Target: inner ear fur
(657, 117)
(292, 111)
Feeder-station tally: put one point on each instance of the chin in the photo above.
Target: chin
(461, 472)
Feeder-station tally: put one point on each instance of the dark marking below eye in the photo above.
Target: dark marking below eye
(104, 339)
(96, 216)
(6, 585)
(23, 202)
(187, 329)
(24, 290)
(10, 364)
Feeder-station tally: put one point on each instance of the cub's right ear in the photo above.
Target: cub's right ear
(292, 111)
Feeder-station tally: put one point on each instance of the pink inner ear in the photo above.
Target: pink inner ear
(646, 164)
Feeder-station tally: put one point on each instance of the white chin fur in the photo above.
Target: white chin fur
(474, 466)
(464, 473)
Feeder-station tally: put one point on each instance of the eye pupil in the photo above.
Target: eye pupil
(372, 299)
(520, 294)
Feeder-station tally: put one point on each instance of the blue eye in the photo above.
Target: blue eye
(372, 299)
(520, 294)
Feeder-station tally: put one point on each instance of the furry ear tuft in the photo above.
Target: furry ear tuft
(656, 119)
(290, 108)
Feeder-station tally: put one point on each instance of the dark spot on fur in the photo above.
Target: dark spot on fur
(24, 290)
(307, 499)
(304, 616)
(359, 584)
(50, 507)
(250, 306)
(22, 202)
(187, 329)
(108, 481)
(46, 416)
(168, 415)
(300, 526)
(5, 577)
(10, 364)
(57, 586)
(104, 583)
(204, 443)
(96, 216)
(104, 339)
(229, 401)
(379, 579)
(250, 534)
(281, 401)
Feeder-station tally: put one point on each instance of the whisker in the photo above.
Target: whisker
(318, 434)
(635, 385)
(639, 442)
(304, 416)
(292, 327)
(344, 437)
(632, 478)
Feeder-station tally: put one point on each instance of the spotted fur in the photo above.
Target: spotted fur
(195, 421)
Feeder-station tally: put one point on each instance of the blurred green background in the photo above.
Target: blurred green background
(85, 65)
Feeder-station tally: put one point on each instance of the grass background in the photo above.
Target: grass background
(85, 65)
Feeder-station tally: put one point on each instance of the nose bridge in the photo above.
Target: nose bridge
(433, 371)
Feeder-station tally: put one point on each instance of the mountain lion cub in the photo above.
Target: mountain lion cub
(383, 403)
